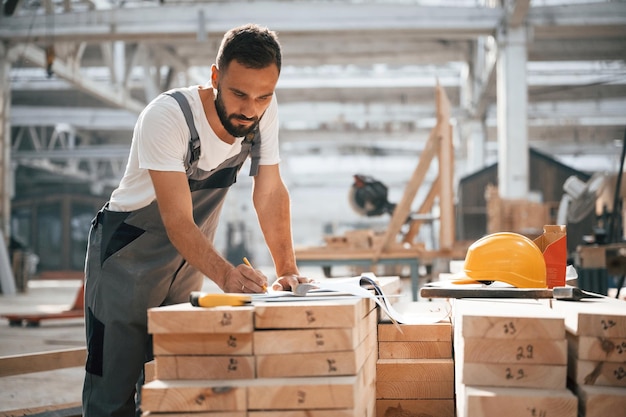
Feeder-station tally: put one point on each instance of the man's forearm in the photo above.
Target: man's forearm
(194, 246)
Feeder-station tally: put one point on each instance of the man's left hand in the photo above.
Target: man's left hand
(289, 282)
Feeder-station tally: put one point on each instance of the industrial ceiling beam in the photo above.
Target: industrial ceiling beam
(148, 23)
(297, 18)
(116, 97)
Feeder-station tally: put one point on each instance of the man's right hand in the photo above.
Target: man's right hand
(244, 279)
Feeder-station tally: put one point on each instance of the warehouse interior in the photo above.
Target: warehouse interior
(532, 93)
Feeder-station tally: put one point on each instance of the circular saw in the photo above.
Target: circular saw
(368, 197)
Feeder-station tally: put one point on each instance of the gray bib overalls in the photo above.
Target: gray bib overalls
(131, 266)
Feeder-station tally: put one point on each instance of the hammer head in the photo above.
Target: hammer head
(572, 294)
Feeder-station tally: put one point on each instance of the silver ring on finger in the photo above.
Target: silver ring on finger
(243, 287)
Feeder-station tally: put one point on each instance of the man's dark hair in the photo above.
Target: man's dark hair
(251, 45)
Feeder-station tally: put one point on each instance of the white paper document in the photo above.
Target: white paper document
(416, 313)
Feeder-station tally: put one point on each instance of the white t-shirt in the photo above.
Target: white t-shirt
(161, 141)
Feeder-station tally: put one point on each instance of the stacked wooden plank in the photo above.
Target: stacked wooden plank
(510, 355)
(415, 370)
(273, 359)
(596, 334)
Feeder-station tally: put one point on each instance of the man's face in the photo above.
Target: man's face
(243, 95)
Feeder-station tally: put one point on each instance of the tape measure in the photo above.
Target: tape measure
(200, 299)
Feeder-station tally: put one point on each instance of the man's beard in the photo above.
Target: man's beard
(228, 121)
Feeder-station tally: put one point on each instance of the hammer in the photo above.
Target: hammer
(558, 293)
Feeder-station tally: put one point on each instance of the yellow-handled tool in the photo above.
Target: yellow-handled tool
(200, 299)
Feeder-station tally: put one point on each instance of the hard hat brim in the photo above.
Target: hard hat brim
(460, 278)
(465, 281)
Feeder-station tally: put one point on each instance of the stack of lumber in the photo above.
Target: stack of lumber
(510, 355)
(200, 356)
(596, 334)
(415, 370)
(515, 215)
(274, 359)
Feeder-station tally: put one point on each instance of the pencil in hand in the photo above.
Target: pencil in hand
(247, 262)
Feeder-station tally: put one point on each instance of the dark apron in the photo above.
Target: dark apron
(132, 266)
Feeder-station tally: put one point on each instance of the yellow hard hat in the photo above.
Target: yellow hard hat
(507, 257)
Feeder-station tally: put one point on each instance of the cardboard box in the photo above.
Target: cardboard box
(553, 244)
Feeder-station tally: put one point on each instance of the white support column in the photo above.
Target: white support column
(513, 169)
(5, 142)
(7, 280)
(119, 63)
